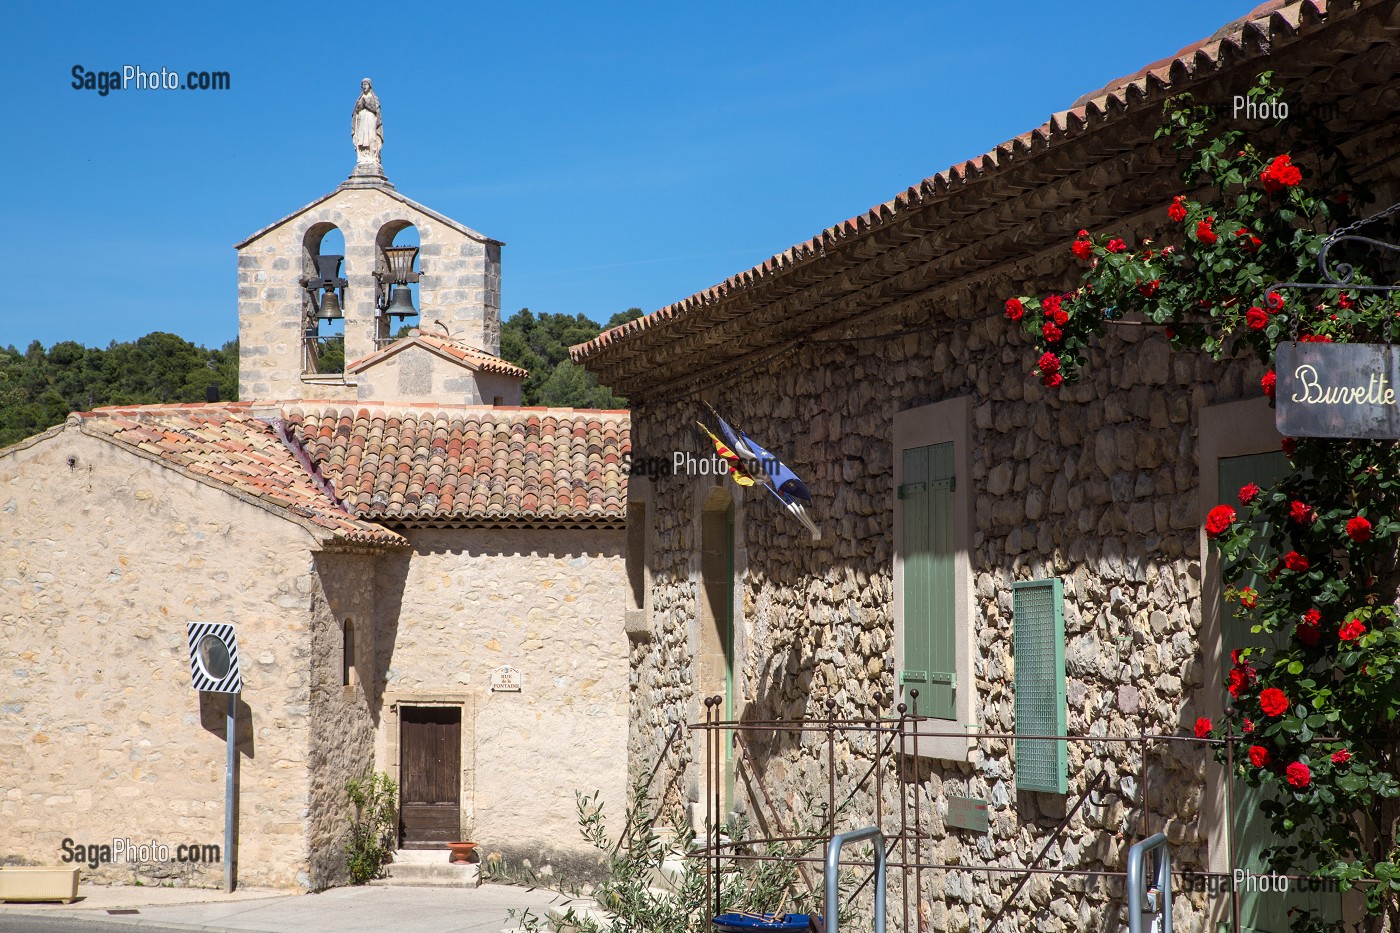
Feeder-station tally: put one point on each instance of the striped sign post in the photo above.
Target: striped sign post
(214, 669)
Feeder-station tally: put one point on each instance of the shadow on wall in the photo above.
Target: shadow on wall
(390, 579)
(519, 542)
(213, 716)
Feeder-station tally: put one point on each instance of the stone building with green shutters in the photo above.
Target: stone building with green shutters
(1028, 561)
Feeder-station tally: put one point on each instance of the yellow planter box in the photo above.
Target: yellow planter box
(25, 883)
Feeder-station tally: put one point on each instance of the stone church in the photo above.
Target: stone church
(424, 578)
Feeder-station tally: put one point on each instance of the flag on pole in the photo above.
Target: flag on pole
(736, 466)
(770, 472)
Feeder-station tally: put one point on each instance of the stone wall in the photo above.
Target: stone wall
(1095, 485)
(548, 603)
(104, 556)
(460, 286)
(342, 743)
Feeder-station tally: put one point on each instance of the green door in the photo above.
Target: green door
(1260, 911)
(930, 636)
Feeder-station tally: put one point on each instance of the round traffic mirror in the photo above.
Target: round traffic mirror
(213, 657)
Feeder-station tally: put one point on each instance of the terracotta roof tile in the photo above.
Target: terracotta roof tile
(456, 350)
(470, 465)
(228, 446)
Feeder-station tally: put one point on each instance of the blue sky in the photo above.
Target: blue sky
(628, 155)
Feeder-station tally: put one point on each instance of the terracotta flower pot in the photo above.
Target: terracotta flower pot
(461, 852)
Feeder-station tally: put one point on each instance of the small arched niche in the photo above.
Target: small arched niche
(389, 324)
(348, 674)
(323, 321)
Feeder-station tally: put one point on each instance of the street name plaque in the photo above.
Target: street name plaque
(1337, 390)
(968, 813)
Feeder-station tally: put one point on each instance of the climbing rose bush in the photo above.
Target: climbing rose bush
(1320, 549)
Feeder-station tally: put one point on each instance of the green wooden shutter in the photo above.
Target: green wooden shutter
(930, 636)
(1038, 646)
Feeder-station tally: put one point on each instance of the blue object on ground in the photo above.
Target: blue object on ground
(749, 923)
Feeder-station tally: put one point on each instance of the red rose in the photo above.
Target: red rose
(1345, 303)
(1249, 493)
(1259, 756)
(1295, 562)
(1309, 635)
(1359, 529)
(1014, 309)
(1301, 512)
(1274, 302)
(1256, 318)
(1248, 725)
(1060, 317)
(1312, 616)
(1052, 333)
(1273, 701)
(1219, 519)
(1205, 232)
(1177, 211)
(1248, 598)
(1083, 249)
(1248, 241)
(1352, 630)
(1148, 289)
(1288, 444)
(1280, 174)
(1341, 756)
(1269, 383)
(1239, 679)
(1202, 727)
(1053, 380)
(1298, 775)
(1049, 363)
(1051, 304)
(1116, 245)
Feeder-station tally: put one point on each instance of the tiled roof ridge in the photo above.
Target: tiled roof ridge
(455, 350)
(329, 521)
(399, 409)
(1253, 34)
(279, 427)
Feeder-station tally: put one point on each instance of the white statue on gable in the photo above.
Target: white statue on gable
(367, 127)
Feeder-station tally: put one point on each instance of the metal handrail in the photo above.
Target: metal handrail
(833, 864)
(1158, 899)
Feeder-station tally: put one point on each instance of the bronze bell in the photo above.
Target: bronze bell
(402, 303)
(330, 307)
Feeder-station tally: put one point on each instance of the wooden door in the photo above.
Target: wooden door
(430, 775)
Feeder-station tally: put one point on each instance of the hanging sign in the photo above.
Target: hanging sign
(1337, 390)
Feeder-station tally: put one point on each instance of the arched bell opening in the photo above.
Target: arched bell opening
(323, 300)
(397, 273)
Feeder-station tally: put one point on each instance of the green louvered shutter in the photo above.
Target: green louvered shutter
(929, 597)
(1038, 647)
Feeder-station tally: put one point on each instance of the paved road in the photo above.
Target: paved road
(32, 924)
(371, 909)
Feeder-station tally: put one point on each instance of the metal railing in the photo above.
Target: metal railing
(894, 755)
